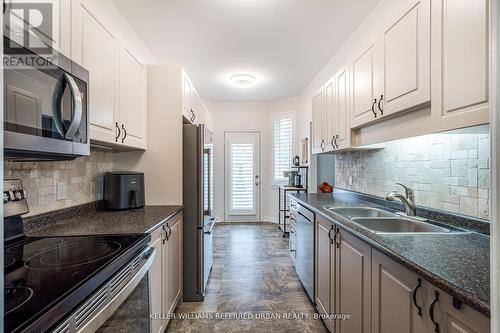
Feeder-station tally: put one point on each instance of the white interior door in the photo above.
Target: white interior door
(242, 176)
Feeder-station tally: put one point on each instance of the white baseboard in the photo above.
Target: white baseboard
(271, 219)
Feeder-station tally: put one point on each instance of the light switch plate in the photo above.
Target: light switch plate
(61, 191)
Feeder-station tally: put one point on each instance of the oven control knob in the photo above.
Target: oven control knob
(6, 197)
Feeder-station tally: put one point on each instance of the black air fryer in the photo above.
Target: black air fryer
(123, 190)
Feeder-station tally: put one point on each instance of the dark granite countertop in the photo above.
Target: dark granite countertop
(457, 263)
(92, 219)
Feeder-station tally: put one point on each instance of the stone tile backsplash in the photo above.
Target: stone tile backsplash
(448, 171)
(82, 178)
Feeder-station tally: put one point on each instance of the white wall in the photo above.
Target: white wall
(162, 160)
(248, 117)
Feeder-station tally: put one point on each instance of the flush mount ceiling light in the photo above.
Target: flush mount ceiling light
(243, 80)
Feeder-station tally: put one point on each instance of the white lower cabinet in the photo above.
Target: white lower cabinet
(352, 283)
(325, 252)
(155, 283)
(166, 271)
(399, 298)
(446, 318)
(379, 294)
(342, 278)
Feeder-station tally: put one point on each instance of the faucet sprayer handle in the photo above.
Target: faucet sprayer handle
(410, 194)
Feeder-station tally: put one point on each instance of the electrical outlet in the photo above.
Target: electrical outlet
(61, 191)
(350, 180)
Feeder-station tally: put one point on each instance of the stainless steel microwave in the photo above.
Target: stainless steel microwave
(46, 114)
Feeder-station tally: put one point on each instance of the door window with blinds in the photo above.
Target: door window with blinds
(282, 146)
(242, 176)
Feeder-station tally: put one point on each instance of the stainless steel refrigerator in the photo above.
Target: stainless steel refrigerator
(198, 204)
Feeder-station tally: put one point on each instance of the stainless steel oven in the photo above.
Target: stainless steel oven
(46, 112)
(122, 304)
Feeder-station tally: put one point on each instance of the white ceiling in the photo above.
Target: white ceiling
(284, 43)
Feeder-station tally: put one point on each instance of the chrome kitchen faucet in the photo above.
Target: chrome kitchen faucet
(408, 199)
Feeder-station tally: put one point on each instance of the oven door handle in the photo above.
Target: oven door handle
(77, 105)
(148, 257)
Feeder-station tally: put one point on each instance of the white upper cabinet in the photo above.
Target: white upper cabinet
(58, 35)
(364, 85)
(132, 100)
(343, 129)
(330, 114)
(193, 108)
(118, 108)
(406, 61)
(187, 108)
(318, 121)
(94, 47)
(393, 74)
(460, 62)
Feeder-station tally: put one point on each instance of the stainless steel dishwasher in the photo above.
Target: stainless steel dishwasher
(304, 233)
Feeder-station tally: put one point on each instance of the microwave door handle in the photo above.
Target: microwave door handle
(56, 106)
(77, 105)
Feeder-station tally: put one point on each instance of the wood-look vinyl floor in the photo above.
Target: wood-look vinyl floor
(252, 276)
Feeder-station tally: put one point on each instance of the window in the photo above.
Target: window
(242, 173)
(283, 138)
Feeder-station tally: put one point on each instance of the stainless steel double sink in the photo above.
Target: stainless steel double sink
(380, 221)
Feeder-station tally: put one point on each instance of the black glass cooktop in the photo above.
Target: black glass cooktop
(45, 278)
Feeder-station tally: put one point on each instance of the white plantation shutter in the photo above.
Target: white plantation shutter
(242, 177)
(283, 132)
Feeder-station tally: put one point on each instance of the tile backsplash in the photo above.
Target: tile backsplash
(82, 179)
(448, 171)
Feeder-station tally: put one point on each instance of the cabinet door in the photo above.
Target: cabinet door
(132, 111)
(94, 47)
(187, 108)
(331, 119)
(342, 109)
(452, 320)
(57, 35)
(460, 63)
(325, 254)
(174, 265)
(393, 308)
(352, 292)
(406, 61)
(318, 121)
(155, 283)
(364, 87)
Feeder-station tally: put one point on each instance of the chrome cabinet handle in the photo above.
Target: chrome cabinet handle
(336, 141)
(414, 296)
(124, 133)
(431, 311)
(333, 142)
(193, 115)
(322, 144)
(119, 132)
(77, 106)
(379, 107)
(373, 108)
